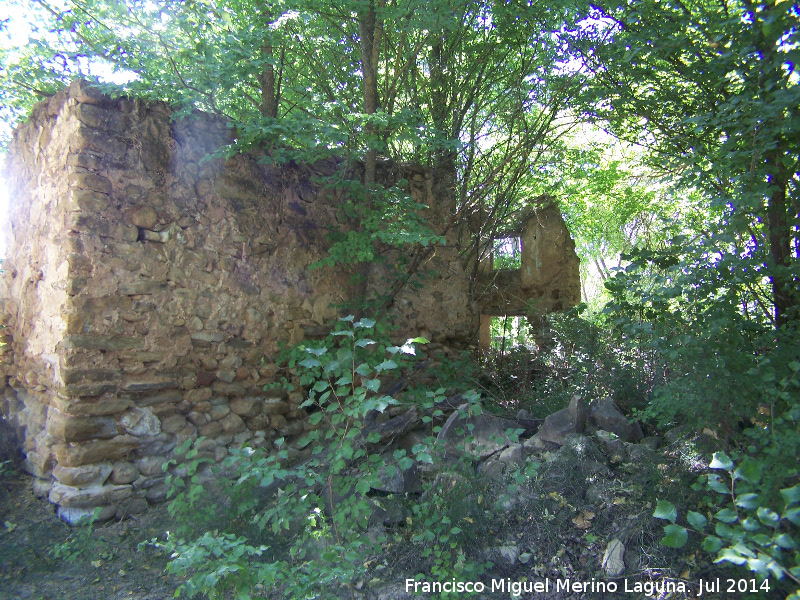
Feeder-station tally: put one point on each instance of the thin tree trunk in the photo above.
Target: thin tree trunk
(370, 30)
(784, 298)
(266, 79)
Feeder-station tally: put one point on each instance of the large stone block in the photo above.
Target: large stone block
(90, 181)
(228, 389)
(101, 342)
(275, 406)
(141, 216)
(81, 375)
(75, 455)
(198, 395)
(89, 223)
(87, 200)
(149, 385)
(151, 466)
(142, 287)
(72, 428)
(88, 390)
(112, 147)
(124, 472)
(232, 423)
(83, 477)
(71, 497)
(97, 406)
(99, 118)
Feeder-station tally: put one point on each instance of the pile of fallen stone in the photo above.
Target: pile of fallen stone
(587, 459)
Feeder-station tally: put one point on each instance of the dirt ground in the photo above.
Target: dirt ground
(41, 558)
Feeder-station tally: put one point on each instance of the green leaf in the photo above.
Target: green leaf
(793, 514)
(424, 457)
(751, 524)
(726, 515)
(730, 555)
(310, 363)
(696, 520)
(365, 342)
(364, 370)
(784, 540)
(405, 463)
(715, 483)
(712, 544)
(666, 510)
(791, 495)
(748, 501)
(725, 531)
(675, 536)
(362, 486)
(768, 517)
(749, 470)
(386, 365)
(721, 461)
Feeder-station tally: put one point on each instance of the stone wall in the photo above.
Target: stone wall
(147, 288)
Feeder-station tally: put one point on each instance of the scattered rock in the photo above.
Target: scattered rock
(605, 415)
(613, 562)
(613, 447)
(504, 557)
(676, 433)
(571, 419)
(478, 435)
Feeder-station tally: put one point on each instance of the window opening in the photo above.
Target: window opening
(507, 253)
(509, 332)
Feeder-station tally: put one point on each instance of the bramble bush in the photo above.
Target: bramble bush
(300, 523)
(727, 369)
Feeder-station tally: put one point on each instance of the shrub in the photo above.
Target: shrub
(304, 520)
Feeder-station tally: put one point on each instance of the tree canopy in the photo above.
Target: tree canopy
(472, 89)
(490, 96)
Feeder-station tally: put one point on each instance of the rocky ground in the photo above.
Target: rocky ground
(582, 513)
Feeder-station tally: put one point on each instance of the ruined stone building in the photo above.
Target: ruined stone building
(147, 287)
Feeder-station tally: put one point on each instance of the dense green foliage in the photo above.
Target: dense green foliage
(471, 89)
(300, 525)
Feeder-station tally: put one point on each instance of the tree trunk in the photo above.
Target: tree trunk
(266, 79)
(444, 160)
(784, 294)
(370, 30)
